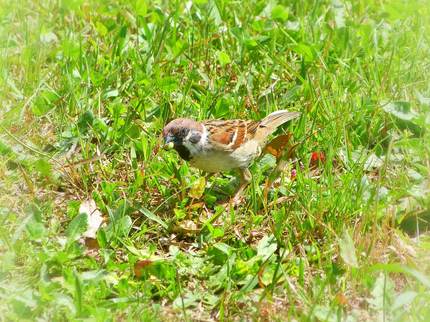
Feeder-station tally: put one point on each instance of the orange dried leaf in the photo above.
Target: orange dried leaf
(91, 243)
(140, 266)
(341, 299)
(278, 145)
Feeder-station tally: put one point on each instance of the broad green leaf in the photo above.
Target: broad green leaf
(101, 28)
(43, 167)
(124, 225)
(222, 107)
(223, 58)
(399, 268)
(217, 232)
(133, 131)
(35, 229)
(280, 12)
(180, 213)
(141, 7)
(306, 51)
(72, 208)
(44, 103)
(5, 149)
(70, 48)
(77, 227)
(112, 93)
(226, 249)
(198, 188)
(347, 250)
(150, 215)
(85, 121)
(168, 84)
(250, 43)
(266, 247)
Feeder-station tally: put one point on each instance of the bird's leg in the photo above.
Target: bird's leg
(245, 179)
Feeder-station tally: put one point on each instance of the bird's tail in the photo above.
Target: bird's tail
(275, 119)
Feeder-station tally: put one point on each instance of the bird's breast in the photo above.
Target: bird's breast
(213, 160)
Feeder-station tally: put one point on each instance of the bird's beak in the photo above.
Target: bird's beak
(169, 138)
(169, 141)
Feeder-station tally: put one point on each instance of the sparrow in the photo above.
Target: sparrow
(223, 145)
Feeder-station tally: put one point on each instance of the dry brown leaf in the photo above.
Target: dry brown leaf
(140, 266)
(278, 145)
(91, 243)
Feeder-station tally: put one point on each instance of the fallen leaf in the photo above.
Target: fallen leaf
(341, 299)
(316, 158)
(401, 110)
(94, 217)
(140, 266)
(373, 162)
(91, 243)
(197, 205)
(278, 145)
(347, 250)
(187, 227)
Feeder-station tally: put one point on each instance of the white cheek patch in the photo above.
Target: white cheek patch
(204, 138)
(193, 146)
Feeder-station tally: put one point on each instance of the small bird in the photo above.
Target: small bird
(222, 145)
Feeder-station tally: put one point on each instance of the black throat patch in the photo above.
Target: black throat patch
(183, 152)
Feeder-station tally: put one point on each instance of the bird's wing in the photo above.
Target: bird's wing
(229, 135)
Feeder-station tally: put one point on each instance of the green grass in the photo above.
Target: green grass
(87, 86)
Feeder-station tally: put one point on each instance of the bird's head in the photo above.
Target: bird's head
(184, 134)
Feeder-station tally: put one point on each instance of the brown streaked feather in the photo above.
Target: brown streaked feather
(225, 137)
(228, 135)
(221, 132)
(243, 133)
(252, 127)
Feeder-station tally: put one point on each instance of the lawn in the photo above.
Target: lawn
(99, 222)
